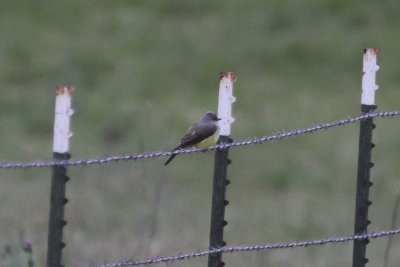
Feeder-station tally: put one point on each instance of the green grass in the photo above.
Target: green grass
(143, 71)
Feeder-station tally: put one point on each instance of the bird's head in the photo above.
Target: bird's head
(209, 117)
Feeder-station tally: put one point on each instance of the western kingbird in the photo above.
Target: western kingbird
(203, 133)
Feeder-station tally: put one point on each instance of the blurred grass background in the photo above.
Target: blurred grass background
(144, 71)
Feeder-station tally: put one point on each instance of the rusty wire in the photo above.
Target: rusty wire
(236, 249)
(245, 142)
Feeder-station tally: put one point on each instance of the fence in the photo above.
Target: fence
(61, 160)
(236, 249)
(239, 143)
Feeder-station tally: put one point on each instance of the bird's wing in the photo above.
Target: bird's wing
(196, 134)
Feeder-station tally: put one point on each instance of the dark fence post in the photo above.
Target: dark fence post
(220, 181)
(361, 221)
(363, 184)
(218, 203)
(59, 179)
(56, 217)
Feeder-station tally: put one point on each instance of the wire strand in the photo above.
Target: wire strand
(245, 142)
(236, 249)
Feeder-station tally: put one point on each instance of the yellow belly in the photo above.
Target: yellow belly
(210, 141)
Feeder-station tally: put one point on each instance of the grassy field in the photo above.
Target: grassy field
(143, 71)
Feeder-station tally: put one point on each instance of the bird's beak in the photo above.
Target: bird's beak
(218, 119)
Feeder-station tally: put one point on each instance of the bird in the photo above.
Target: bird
(203, 133)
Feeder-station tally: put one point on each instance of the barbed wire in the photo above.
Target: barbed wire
(245, 142)
(236, 249)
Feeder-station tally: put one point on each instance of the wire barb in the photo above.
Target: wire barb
(156, 154)
(236, 249)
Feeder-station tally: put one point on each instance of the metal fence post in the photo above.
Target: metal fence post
(220, 168)
(364, 157)
(62, 133)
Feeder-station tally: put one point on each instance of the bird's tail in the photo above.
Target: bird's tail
(173, 155)
(170, 158)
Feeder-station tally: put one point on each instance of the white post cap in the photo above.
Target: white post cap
(62, 122)
(225, 101)
(369, 76)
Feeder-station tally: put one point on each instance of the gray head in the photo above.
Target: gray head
(209, 117)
